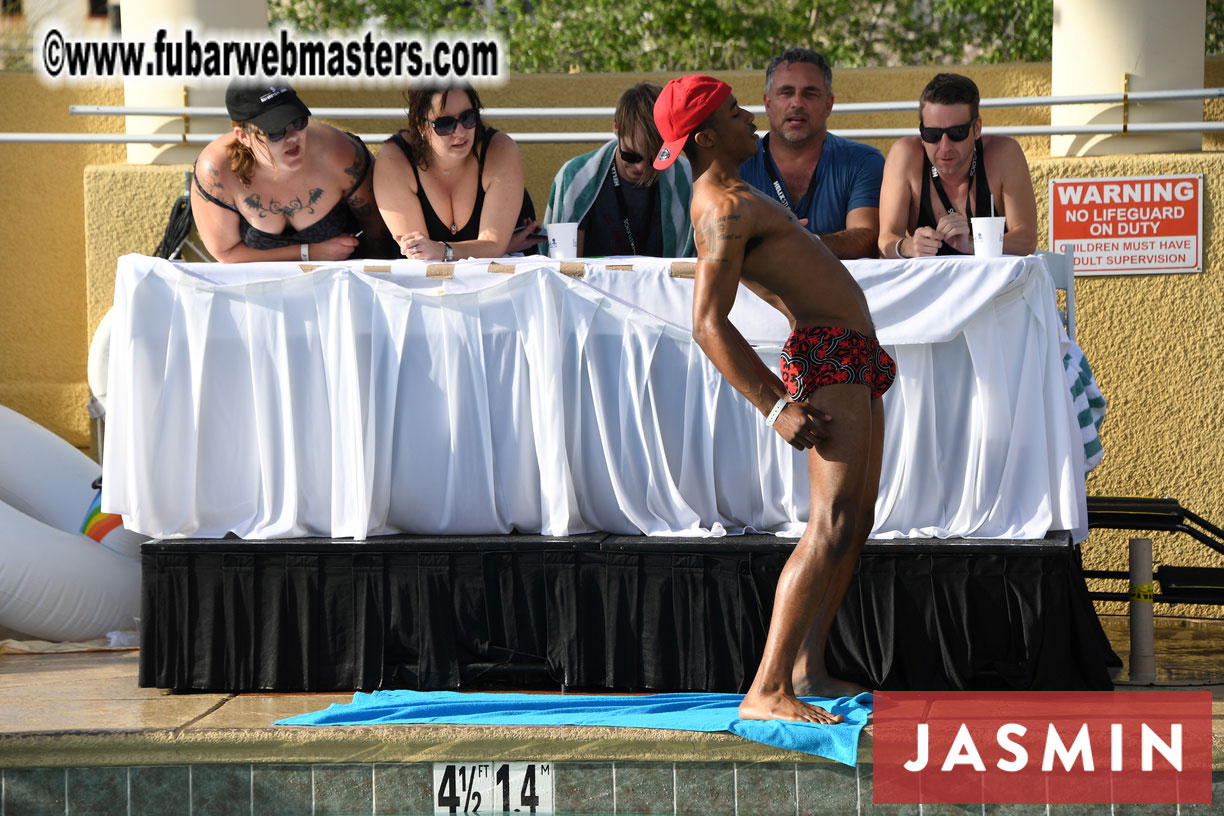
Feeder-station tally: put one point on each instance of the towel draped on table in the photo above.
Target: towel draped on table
(1089, 404)
(577, 184)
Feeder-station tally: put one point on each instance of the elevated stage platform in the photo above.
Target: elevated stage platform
(344, 401)
(599, 611)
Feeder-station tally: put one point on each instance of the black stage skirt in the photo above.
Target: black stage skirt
(602, 612)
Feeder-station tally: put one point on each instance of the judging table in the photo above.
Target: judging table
(532, 395)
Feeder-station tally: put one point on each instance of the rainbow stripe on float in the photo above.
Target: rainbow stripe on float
(97, 525)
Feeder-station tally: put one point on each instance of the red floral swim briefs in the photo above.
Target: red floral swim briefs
(820, 355)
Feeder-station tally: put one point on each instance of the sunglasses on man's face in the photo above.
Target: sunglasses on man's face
(296, 124)
(629, 157)
(445, 125)
(957, 133)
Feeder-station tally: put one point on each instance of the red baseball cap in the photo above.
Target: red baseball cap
(681, 107)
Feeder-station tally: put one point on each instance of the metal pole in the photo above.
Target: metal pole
(569, 137)
(899, 105)
(1142, 626)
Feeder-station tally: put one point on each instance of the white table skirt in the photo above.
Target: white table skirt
(347, 402)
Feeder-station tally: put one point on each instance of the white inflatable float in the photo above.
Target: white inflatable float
(67, 570)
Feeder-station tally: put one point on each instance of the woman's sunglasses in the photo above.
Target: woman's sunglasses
(296, 124)
(957, 133)
(445, 125)
(629, 157)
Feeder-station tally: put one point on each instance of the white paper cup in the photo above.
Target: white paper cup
(987, 236)
(562, 239)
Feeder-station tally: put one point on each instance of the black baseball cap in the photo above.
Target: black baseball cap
(269, 106)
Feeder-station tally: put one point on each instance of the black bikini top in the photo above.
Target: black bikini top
(437, 229)
(338, 221)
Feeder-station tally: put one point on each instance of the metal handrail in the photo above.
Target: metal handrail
(1116, 129)
(603, 112)
(554, 137)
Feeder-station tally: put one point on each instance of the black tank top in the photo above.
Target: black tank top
(338, 221)
(979, 205)
(438, 231)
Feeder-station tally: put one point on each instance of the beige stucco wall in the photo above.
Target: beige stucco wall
(1152, 342)
(43, 341)
(1149, 337)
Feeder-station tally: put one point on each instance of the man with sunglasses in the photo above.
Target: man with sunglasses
(621, 204)
(936, 181)
(833, 183)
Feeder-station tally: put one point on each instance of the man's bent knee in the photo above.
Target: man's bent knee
(838, 531)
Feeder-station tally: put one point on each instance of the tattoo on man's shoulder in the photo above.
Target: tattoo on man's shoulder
(713, 236)
(360, 205)
(726, 228)
(288, 210)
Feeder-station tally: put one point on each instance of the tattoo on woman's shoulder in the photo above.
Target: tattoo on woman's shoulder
(360, 161)
(210, 179)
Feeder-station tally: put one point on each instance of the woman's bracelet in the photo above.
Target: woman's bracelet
(897, 247)
(305, 252)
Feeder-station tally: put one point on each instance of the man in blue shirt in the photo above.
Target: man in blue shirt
(832, 182)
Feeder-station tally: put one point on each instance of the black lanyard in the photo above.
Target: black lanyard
(624, 209)
(943, 197)
(777, 183)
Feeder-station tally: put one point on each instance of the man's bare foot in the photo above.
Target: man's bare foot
(782, 706)
(828, 687)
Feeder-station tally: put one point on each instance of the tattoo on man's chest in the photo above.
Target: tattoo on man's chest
(288, 209)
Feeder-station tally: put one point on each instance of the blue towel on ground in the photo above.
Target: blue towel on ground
(675, 712)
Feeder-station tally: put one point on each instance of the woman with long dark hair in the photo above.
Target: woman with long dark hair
(450, 187)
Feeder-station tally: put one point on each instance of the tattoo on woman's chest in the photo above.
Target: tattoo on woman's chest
(288, 209)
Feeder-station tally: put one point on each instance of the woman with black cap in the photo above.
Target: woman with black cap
(282, 188)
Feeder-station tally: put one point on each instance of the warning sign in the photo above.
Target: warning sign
(1129, 225)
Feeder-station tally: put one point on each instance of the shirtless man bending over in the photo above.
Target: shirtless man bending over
(827, 402)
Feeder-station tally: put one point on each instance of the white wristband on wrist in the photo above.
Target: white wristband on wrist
(776, 412)
(305, 252)
(897, 247)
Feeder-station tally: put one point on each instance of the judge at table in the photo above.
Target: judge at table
(279, 187)
(936, 181)
(451, 187)
(622, 205)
